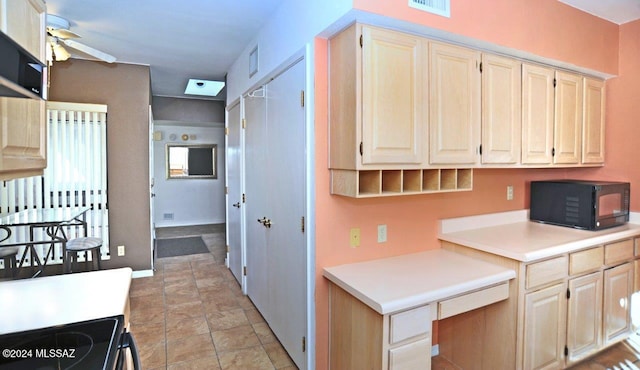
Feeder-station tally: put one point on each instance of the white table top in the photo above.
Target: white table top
(394, 284)
(62, 299)
(512, 235)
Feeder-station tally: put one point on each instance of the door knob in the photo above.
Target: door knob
(237, 205)
(262, 221)
(267, 223)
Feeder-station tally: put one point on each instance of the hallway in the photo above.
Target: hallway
(193, 315)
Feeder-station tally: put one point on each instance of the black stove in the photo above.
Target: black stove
(90, 344)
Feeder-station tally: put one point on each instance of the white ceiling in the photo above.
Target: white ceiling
(616, 11)
(202, 38)
(178, 39)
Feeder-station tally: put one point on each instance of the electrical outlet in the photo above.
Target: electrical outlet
(354, 237)
(509, 192)
(382, 233)
(121, 250)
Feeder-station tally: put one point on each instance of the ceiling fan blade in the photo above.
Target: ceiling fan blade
(61, 54)
(62, 33)
(89, 50)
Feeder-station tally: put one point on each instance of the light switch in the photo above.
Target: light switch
(382, 233)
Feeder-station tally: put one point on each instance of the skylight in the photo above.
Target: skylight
(203, 87)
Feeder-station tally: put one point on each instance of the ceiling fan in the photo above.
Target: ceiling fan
(58, 34)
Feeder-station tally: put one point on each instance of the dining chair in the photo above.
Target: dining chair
(8, 254)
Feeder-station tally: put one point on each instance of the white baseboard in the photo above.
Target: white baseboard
(142, 273)
(435, 350)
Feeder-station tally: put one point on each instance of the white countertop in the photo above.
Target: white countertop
(512, 235)
(398, 283)
(55, 300)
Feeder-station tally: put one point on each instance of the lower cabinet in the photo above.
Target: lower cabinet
(618, 286)
(361, 338)
(575, 310)
(544, 328)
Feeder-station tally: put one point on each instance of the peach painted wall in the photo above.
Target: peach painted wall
(547, 28)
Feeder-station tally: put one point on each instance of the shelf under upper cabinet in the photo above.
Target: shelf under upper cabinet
(376, 183)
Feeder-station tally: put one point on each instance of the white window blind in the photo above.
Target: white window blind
(76, 174)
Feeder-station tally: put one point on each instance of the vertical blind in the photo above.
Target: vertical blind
(76, 173)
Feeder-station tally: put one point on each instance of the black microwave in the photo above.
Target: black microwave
(589, 205)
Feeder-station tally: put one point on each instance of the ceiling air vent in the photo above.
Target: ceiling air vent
(439, 7)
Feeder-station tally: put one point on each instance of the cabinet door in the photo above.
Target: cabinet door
(454, 112)
(618, 286)
(22, 135)
(501, 109)
(545, 328)
(593, 118)
(393, 128)
(412, 356)
(537, 114)
(568, 118)
(25, 24)
(584, 316)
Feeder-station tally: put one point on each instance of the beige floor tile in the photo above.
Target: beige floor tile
(187, 327)
(189, 348)
(210, 282)
(227, 319)
(152, 355)
(177, 285)
(148, 332)
(235, 338)
(184, 310)
(264, 333)
(178, 275)
(145, 286)
(205, 363)
(278, 355)
(254, 358)
(254, 315)
(146, 301)
(181, 297)
(147, 315)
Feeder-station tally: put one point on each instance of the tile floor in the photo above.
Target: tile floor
(193, 315)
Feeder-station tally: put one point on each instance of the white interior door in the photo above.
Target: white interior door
(152, 195)
(257, 287)
(235, 207)
(286, 247)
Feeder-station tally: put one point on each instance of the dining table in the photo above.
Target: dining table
(51, 220)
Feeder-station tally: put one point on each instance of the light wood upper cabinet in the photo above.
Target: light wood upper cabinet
(568, 118)
(454, 111)
(593, 118)
(376, 98)
(544, 328)
(537, 114)
(501, 110)
(23, 121)
(584, 318)
(392, 97)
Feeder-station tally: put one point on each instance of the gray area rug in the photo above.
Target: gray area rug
(180, 247)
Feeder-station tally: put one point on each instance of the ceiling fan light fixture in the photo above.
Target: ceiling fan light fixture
(204, 87)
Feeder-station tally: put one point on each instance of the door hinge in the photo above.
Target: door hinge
(227, 249)
(480, 67)
(244, 123)
(302, 98)
(304, 344)
(554, 82)
(361, 148)
(568, 294)
(566, 351)
(553, 152)
(361, 41)
(302, 224)
(226, 131)
(226, 190)
(480, 149)
(244, 198)
(244, 271)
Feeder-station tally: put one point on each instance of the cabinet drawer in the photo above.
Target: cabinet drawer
(471, 301)
(618, 252)
(540, 273)
(587, 260)
(415, 355)
(409, 324)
